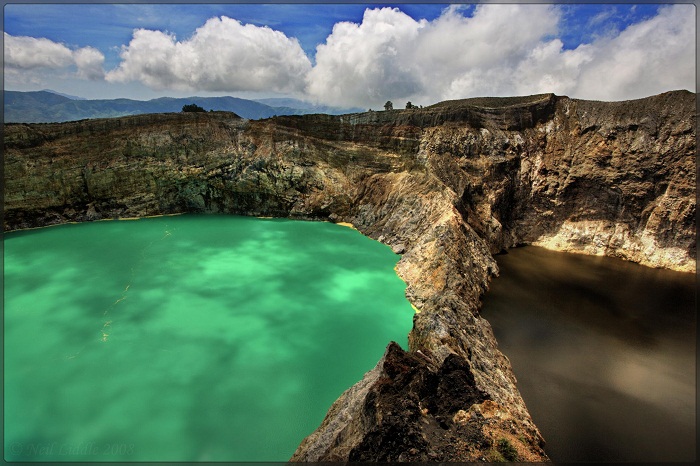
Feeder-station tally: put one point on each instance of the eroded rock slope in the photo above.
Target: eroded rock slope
(446, 186)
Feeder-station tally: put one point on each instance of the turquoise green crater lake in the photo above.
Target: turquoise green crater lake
(189, 338)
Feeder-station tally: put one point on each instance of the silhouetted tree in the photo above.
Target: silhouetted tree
(388, 105)
(192, 108)
(409, 105)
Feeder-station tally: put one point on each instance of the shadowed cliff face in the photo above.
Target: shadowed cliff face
(445, 186)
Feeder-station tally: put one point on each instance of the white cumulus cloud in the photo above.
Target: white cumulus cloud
(647, 58)
(482, 50)
(222, 55)
(90, 63)
(498, 50)
(391, 56)
(361, 64)
(23, 54)
(477, 55)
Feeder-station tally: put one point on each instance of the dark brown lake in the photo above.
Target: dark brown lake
(604, 352)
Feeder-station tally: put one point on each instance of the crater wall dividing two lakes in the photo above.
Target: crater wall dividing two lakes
(446, 186)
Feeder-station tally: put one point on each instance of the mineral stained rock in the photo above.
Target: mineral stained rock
(446, 186)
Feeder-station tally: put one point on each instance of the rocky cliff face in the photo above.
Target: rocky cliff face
(446, 187)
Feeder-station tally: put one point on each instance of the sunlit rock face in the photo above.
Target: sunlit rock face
(447, 186)
(604, 178)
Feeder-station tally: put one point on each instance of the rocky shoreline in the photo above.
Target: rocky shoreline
(446, 186)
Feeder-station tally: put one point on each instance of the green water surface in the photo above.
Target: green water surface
(191, 338)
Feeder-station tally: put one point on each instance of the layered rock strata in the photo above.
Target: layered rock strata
(446, 186)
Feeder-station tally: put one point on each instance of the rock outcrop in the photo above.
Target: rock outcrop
(446, 186)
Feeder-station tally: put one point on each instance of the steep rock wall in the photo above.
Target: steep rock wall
(606, 178)
(446, 187)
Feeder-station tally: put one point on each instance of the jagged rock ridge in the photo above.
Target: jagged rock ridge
(446, 186)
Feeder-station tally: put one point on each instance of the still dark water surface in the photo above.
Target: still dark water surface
(191, 338)
(604, 352)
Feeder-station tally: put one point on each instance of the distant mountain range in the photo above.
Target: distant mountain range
(72, 97)
(49, 107)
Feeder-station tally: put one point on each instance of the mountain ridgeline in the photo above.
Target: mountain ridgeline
(446, 186)
(50, 107)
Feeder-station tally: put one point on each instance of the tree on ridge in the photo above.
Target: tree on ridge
(192, 108)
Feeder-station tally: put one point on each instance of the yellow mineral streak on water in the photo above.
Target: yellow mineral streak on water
(100, 220)
(76, 354)
(123, 297)
(45, 226)
(346, 224)
(105, 335)
(139, 218)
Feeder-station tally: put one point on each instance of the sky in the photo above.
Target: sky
(350, 55)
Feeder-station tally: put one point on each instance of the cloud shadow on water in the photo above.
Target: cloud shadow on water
(233, 335)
